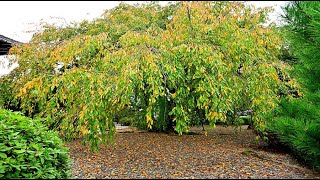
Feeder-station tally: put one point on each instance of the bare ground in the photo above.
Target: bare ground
(223, 153)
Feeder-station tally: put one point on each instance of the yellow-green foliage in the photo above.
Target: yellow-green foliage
(139, 52)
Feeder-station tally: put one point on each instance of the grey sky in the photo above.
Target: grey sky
(19, 18)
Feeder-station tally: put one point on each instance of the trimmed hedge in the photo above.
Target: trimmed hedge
(29, 150)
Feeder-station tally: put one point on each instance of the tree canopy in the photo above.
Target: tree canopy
(174, 65)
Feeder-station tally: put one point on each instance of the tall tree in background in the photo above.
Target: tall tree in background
(297, 120)
(174, 65)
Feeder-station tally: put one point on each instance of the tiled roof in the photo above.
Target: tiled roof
(8, 40)
(6, 43)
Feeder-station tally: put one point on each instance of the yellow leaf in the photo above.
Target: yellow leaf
(81, 114)
(149, 119)
(254, 34)
(83, 130)
(23, 91)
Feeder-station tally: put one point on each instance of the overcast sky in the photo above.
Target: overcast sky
(19, 19)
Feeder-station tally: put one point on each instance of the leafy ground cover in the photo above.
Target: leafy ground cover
(223, 153)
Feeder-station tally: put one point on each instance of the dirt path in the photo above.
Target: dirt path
(223, 153)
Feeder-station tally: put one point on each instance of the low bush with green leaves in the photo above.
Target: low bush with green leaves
(29, 150)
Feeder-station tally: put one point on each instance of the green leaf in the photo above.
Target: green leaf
(35, 92)
(3, 155)
(19, 151)
(41, 160)
(2, 169)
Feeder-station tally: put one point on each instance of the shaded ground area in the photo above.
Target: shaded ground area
(223, 153)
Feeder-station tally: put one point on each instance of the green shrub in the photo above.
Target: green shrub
(126, 121)
(29, 150)
(134, 119)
